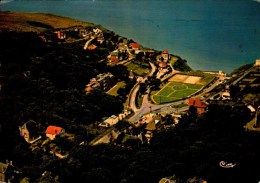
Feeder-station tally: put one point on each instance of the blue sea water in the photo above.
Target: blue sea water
(209, 34)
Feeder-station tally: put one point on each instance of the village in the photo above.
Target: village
(146, 112)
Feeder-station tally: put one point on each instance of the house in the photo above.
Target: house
(97, 30)
(88, 89)
(100, 39)
(92, 47)
(198, 104)
(103, 81)
(53, 131)
(134, 46)
(122, 47)
(114, 56)
(162, 64)
(225, 95)
(251, 108)
(131, 75)
(83, 32)
(8, 171)
(29, 131)
(112, 120)
(165, 55)
(61, 35)
(257, 62)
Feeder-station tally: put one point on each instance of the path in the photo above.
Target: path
(87, 43)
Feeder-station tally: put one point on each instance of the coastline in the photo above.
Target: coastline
(18, 21)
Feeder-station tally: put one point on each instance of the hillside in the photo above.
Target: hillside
(44, 78)
(27, 22)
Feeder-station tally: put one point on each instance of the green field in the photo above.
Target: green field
(175, 91)
(138, 69)
(113, 90)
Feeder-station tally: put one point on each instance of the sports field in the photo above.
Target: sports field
(173, 91)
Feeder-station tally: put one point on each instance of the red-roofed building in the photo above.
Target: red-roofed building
(162, 64)
(88, 89)
(114, 57)
(165, 52)
(135, 46)
(200, 106)
(52, 131)
(165, 55)
(92, 47)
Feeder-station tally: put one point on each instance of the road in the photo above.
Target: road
(132, 96)
(148, 107)
(87, 43)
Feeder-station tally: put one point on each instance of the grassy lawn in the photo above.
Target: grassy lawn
(173, 60)
(139, 69)
(174, 91)
(113, 91)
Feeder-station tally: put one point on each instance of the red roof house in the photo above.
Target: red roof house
(92, 47)
(165, 55)
(134, 45)
(200, 106)
(114, 59)
(162, 64)
(52, 131)
(165, 52)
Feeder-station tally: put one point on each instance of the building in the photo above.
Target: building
(61, 35)
(165, 55)
(225, 95)
(97, 30)
(103, 81)
(112, 120)
(29, 131)
(134, 46)
(257, 62)
(122, 47)
(114, 56)
(83, 32)
(162, 64)
(198, 104)
(100, 39)
(92, 47)
(53, 131)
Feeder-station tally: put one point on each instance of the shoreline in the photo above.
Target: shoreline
(16, 21)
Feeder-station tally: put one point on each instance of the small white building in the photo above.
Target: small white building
(257, 62)
(251, 108)
(112, 120)
(225, 95)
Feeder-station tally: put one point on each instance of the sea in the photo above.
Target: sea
(210, 34)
